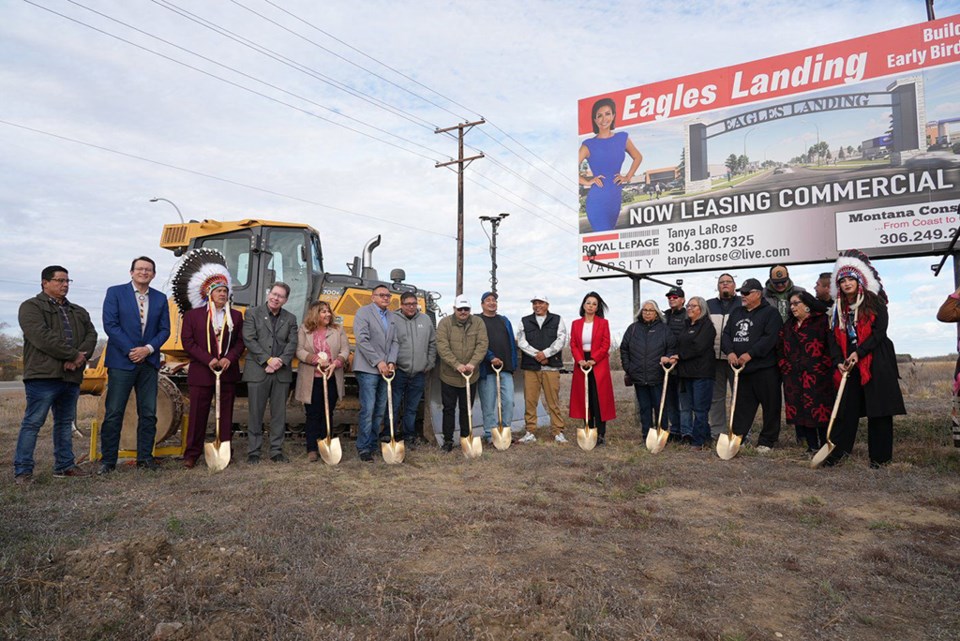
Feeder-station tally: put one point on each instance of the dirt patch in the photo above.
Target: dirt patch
(538, 542)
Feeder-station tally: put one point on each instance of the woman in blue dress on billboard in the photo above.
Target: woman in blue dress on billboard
(605, 153)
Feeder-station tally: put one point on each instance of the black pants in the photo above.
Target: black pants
(316, 427)
(879, 428)
(452, 399)
(759, 389)
(594, 418)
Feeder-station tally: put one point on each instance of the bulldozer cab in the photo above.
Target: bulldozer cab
(261, 254)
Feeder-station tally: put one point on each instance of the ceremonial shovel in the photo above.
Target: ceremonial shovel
(657, 440)
(586, 435)
(502, 436)
(728, 443)
(217, 454)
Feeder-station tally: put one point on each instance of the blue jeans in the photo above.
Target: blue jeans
(143, 379)
(407, 392)
(696, 394)
(42, 395)
(373, 406)
(671, 413)
(648, 398)
(487, 389)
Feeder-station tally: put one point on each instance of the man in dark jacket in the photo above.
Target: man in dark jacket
(720, 308)
(675, 317)
(750, 340)
(501, 352)
(779, 289)
(270, 336)
(416, 355)
(58, 338)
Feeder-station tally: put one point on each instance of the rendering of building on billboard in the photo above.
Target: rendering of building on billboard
(789, 159)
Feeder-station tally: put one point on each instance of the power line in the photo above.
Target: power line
(238, 85)
(531, 183)
(515, 204)
(293, 64)
(348, 61)
(409, 78)
(221, 179)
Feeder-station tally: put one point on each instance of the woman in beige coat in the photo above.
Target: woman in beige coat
(322, 346)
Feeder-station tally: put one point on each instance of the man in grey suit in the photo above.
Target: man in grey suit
(374, 357)
(270, 334)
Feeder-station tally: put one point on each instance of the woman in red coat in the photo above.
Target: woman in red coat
(590, 344)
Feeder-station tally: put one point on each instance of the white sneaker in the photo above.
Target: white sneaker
(763, 449)
(529, 438)
(560, 438)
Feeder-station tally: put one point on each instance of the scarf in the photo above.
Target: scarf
(320, 346)
(863, 323)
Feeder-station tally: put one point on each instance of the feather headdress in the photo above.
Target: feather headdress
(853, 263)
(200, 271)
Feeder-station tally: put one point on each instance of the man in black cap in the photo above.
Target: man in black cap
(674, 317)
(750, 340)
(779, 290)
(501, 353)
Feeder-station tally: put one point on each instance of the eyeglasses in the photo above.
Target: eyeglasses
(409, 302)
(463, 309)
(725, 282)
(693, 306)
(61, 280)
(793, 304)
(649, 311)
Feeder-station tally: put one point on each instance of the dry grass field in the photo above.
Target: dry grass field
(539, 542)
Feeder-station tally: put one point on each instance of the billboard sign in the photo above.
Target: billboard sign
(771, 158)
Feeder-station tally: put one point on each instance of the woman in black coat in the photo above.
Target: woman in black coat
(646, 345)
(696, 369)
(859, 345)
(803, 357)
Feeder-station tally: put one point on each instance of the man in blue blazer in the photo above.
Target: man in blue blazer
(137, 322)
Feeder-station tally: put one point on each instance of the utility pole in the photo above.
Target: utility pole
(461, 164)
(494, 223)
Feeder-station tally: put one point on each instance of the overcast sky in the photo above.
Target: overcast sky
(227, 131)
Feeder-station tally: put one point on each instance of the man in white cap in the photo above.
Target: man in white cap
(541, 339)
(461, 344)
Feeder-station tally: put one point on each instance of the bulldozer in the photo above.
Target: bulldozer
(258, 253)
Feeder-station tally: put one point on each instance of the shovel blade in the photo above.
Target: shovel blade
(728, 446)
(502, 437)
(393, 452)
(586, 438)
(657, 440)
(472, 447)
(217, 458)
(330, 453)
(821, 455)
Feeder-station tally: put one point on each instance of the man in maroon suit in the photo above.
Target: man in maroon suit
(213, 337)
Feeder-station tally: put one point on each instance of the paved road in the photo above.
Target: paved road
(10, 388)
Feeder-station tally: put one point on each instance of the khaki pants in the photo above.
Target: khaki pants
(549, 383)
